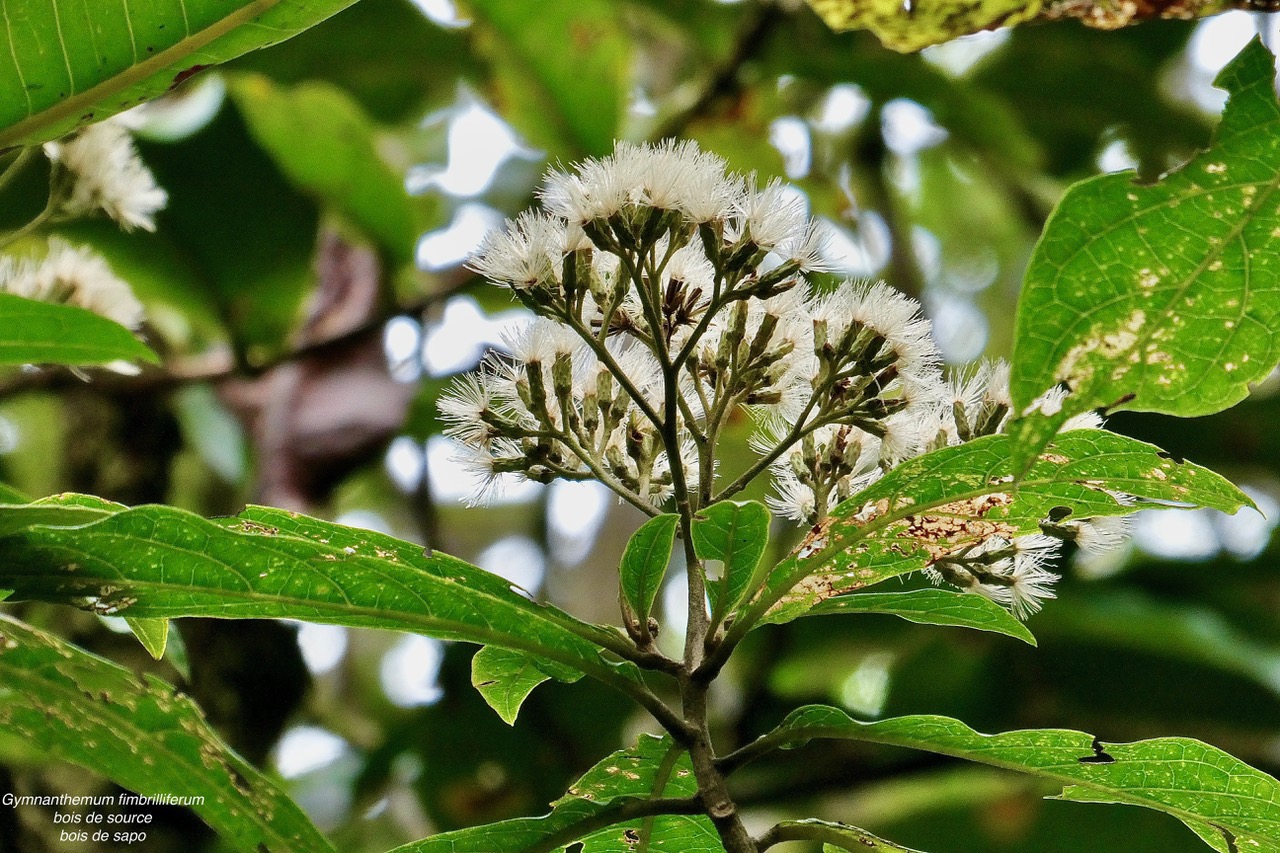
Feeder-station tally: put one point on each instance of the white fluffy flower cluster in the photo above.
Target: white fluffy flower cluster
(108, 176)
(552, 409)
(72, 275)
(670, 295)
(1011, 572)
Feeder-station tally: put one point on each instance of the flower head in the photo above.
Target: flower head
(109, 176)
(72, 275)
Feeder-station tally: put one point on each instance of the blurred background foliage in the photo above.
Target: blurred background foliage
(306, 288)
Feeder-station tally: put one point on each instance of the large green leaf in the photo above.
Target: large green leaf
(162, 562)
(644, 564)
(66, 63)
(1162, 298)
(959, 496)
(340, 162)
(568, 98)
(141, 734)
(603, 811)
(1231, 805)
(931, 607)
(736, 534)
(34, 332)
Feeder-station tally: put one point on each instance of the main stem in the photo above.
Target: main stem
(713, 790)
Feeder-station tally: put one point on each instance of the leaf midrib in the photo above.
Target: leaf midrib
(79, 103)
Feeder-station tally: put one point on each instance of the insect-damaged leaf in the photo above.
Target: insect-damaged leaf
(1228, 803)
(930, 507)
(1165, 297)
(141, 734)
(161, 562)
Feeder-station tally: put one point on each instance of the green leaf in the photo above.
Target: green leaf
(152, 633)
(956, 497)
(59, 510)
(141, 734)
(931, 607)
(506, 678)
(606, 802)
(10, 495)
(644, 563)
(835, 837)
(569, 98)
(736, 534)
(1199, 784)
(340, 164)
(67, 63)
(162, 562)
(44, 333)
(925, 22)
(1161, 298)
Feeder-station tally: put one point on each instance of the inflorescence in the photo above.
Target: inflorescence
(670, 294)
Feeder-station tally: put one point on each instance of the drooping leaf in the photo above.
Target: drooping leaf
(959, 496)
(1161, 298)
(141, 734)
(835, 837)
(152, 633)
(603, 805)
(736, 534)
(570, 99)
(68, 63)
(340, 163)
(644, 563)
(506, 678)
(1218, 796)
(931, 607)
(162, 562)
(34, 332)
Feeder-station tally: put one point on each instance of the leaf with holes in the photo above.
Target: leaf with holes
(934, 505)
(931, 607)
(506, 678)
(67, 63)
(44, 333)
(1161, 298)
(736, 534)
(1231, 805)
(143, 735)
(161, 562)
